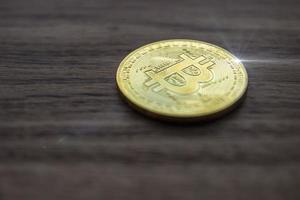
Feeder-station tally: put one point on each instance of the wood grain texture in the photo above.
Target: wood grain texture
(66, 134)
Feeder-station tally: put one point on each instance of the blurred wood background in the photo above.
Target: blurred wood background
(66, 134)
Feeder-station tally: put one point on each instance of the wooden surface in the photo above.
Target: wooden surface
(66, 134)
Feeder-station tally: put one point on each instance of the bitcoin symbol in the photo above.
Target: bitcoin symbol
(182, 77)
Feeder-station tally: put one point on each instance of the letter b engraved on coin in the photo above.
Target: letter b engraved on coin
(182, 77)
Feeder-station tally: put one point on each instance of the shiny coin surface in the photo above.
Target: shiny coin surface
(182, 79)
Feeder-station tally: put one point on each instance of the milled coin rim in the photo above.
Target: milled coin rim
(160, 114)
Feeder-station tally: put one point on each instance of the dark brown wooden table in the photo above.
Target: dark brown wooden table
(66, 134)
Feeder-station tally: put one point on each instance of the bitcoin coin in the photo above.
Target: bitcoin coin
(182, 79)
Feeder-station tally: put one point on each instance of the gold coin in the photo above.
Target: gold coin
(182, 79)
